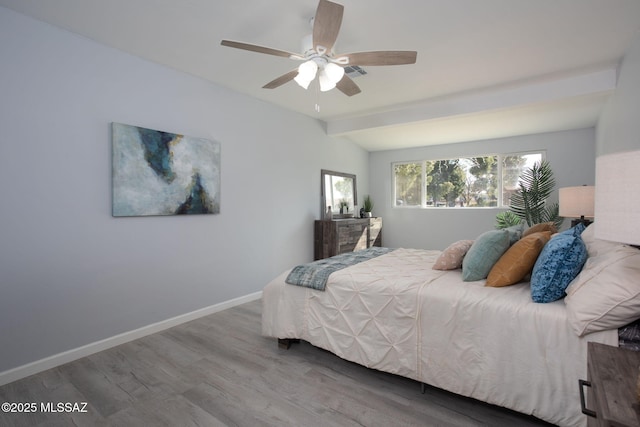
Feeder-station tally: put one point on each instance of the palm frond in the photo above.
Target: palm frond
(529, 203)
(552, 214)
(507, 219)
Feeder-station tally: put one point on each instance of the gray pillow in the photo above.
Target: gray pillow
(483, 254)
(515, 232)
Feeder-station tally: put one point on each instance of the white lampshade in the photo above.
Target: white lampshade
(334, 72)
(325, 82)
(577, 202)
(306, 73)
(617, 197)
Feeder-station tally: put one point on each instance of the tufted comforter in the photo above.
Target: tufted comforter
(396, 314)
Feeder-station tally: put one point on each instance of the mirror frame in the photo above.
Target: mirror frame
(323, 193)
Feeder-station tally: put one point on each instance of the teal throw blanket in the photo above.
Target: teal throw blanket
(315, 274)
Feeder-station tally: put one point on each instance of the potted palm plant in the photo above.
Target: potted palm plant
(529, 203)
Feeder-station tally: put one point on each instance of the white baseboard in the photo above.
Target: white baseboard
(24, 371)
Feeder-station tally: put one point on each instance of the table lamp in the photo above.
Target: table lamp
(577, 202)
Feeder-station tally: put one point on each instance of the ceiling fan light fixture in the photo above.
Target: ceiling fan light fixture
(325, 81)
(334, 72)
(318, 54)
(302, 83)
(306, 73)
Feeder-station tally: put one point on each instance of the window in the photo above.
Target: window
(483, 181)
(512, 167)
(408, 184)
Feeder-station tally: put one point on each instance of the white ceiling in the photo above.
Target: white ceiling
(485, 68)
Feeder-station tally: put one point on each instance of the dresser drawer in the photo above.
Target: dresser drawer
(346, 235)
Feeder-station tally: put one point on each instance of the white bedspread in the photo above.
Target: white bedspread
(396, 314)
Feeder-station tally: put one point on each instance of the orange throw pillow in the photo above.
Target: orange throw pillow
(518, 260)
(543, 226)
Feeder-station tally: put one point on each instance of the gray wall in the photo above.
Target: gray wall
(70, 274)
(618, 129)
(571, 154)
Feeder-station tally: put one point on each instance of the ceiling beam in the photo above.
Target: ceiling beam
(494, 99)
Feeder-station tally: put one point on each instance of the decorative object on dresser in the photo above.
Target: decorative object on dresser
(611, 381)
(577, 202)
(338, 190)
(328, 215)
(346, 235)
(367, 207)
(344, 209)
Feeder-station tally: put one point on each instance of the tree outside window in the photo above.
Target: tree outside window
(483, 181)
(512, 168)
(408, 179)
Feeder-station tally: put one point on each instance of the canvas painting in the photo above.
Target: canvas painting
(162, 173)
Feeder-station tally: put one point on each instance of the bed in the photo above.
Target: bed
(397, 314)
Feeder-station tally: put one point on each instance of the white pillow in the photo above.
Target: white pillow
(596, 246)
(606, 293)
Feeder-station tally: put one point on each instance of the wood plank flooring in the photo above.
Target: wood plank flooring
(219, 371)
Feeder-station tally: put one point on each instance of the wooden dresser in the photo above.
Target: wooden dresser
(346, 235)
(611, 386)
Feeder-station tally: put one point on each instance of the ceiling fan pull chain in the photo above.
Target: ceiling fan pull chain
(317, 106)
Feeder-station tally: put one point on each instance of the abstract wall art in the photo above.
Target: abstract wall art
(162, 173)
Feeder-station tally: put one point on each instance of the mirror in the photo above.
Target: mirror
(338, 190)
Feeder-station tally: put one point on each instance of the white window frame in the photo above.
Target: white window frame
(423, 196)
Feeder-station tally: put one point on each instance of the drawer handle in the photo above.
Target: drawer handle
(583, 403)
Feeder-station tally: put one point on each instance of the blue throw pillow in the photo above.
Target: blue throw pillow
(483, 254)
(558, 264)
(576, 230)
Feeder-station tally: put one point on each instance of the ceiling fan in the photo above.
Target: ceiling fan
(319, 58)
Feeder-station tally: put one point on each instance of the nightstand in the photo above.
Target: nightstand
(611, 384)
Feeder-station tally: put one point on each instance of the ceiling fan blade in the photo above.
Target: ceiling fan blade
(348, 86)
(281, 80)
(326, 25)
(260, 49)
(390, 57)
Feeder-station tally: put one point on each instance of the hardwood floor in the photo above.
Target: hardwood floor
(219, 371)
